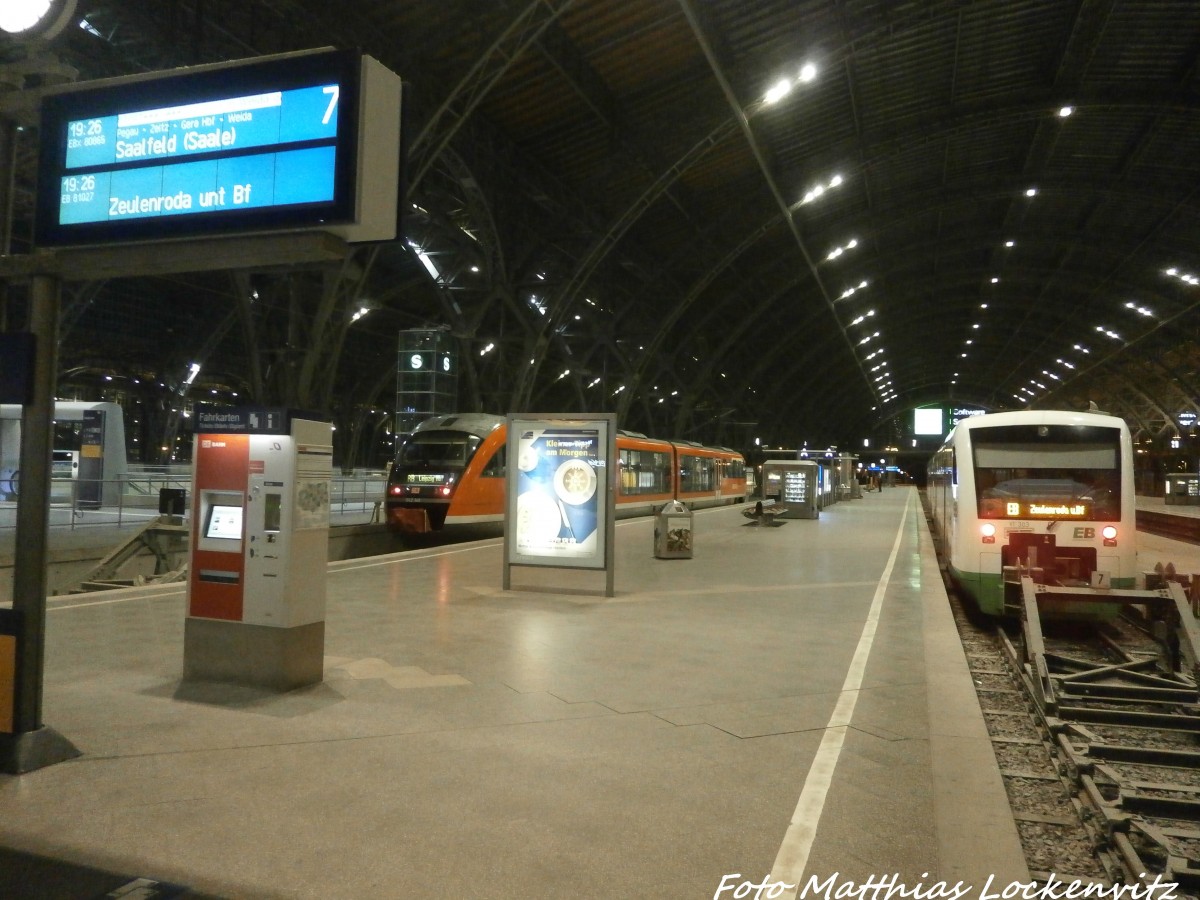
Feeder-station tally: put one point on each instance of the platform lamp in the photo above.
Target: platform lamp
(40, 19)
(32, 22)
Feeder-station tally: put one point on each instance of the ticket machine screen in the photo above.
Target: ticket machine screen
(224, 522)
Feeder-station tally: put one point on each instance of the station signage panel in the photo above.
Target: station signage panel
(958, 413)
(247, 419)
(1024, 509)
(277, 143)
(431, 361)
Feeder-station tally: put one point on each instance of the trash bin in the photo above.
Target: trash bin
(673, 531)
(172, 501)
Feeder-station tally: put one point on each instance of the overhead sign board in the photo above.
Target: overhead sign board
(929, 420)
(278, 143)
(248, 419)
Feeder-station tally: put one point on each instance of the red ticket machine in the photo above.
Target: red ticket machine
(259, 548)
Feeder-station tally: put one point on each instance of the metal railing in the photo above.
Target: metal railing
(132, 500)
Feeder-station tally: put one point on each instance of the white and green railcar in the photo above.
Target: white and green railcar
(1049, 489)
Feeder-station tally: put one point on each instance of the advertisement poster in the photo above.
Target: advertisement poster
(558, 503)
(557, 493)
(312, 504)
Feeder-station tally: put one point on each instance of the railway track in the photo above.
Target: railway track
(1096, 731)
(1178, 528)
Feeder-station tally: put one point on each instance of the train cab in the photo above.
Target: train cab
(435, 461)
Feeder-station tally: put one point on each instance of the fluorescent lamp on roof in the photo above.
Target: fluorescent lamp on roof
(777, 91)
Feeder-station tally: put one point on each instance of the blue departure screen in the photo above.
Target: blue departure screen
(254, 146)
(129, 190)
(241, 182)
(260, 120)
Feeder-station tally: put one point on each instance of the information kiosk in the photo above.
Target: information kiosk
(259, 548)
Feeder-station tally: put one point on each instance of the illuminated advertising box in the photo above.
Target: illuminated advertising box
(560, 504)
(929, 421)
(279, 143)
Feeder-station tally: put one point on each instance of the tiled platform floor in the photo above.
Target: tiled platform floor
(547, 741)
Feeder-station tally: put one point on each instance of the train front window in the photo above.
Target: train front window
(1048, 472)
(438, 450)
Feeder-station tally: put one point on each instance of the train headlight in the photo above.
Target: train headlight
(1109, 533)
(397, 489)
(988, 530)
(447, 490)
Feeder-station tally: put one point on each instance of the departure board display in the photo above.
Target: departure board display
(261, 145)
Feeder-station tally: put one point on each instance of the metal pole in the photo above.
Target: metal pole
(33, 504)
(31, 745)
(8, 168)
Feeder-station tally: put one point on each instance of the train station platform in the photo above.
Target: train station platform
(792, 702)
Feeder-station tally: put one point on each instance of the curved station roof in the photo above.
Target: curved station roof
(792, 220)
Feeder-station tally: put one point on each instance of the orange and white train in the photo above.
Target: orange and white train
(451, 472)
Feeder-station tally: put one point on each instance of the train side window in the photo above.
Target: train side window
(630, 471)
(495, 465)
(645, 472)
(696, 474)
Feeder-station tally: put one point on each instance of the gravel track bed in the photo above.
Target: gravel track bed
(1002, 701)
(1145, 737)
(1061, 850)
(1010, 726)
(1156, 774)
(1031, 758)
(989, 681)
(1037, 795)
(1031, 768)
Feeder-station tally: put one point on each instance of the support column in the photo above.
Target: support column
(32, 745)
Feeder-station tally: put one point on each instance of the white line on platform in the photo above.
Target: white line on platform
(798, 839)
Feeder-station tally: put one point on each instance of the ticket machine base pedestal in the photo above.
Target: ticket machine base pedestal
(261, 656)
